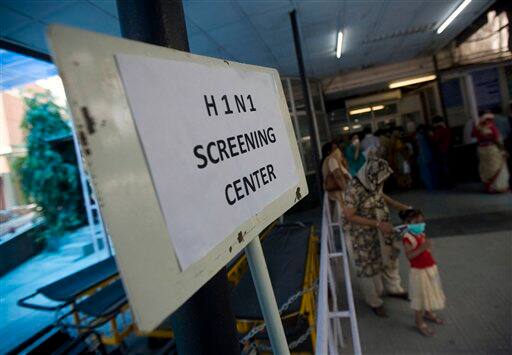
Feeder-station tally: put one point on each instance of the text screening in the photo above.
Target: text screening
(219, 150)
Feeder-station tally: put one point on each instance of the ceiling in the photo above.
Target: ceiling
(259, 32)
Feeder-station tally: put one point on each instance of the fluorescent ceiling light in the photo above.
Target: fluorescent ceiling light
(360, 110)
(453, 15)
(398, 84)
(365, 110)
(339, 45)
(357, 126)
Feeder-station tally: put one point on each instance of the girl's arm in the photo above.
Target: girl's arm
(411, 254)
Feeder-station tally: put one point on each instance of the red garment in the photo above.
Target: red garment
(423, 260)
(442, 139)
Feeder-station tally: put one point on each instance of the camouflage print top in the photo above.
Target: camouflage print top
(368, 201)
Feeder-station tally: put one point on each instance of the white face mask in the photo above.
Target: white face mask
(355, 142)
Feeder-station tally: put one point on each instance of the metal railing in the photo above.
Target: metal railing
(329, 314)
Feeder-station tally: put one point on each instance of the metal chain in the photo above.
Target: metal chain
(291, 345)
(300, 339)
(283, 308)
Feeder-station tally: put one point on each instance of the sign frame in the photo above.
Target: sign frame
(119, 172)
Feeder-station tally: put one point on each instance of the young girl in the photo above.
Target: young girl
(425, 289)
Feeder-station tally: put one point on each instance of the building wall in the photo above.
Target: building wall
(12, 141)
(14, 110)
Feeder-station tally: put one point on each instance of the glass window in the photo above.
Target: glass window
(487, 88)
(452, 93)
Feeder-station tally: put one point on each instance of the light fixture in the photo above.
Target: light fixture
(346, 128)
(365, 109)
(339, 44)
(398, 84)
(356, 126)
(452, 16)
(360, 110)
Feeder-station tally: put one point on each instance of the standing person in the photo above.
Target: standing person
(354, 155)
(425, 287)
(492, 155)
(371, 240)
(425, 158)
(334, 172)
(385, 143)
(399, 155)
(370, 144)
(442, 143)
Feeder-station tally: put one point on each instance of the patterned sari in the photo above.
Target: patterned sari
(364, 194)
(493, 164)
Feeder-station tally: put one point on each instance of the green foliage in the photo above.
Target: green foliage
(48, 178)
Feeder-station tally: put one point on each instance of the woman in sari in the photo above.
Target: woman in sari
(492, 154)
(334, 171)
(354, 154)
(425, 158)
(398, 159)
(372, 243)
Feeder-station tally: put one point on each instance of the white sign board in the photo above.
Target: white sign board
(191, 157)
(216, 146)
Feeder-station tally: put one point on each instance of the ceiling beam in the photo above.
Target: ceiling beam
(381, 74)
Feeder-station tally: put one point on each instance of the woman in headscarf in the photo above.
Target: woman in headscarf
(354, 154)
(334, 171)
(492, 154)
(371, 240)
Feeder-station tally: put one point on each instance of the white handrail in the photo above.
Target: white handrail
(322, 320)
(328, 324)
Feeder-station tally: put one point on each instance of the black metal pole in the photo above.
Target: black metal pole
(307, 102)
(205, 324)
(439, 88)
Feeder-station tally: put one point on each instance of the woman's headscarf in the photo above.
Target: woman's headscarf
(373, 173)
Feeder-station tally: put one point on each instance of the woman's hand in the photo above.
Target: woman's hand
(385, 227)
(428, 244)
